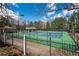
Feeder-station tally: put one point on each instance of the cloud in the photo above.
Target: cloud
(13, 14)
(0, 12)
(65, 12)
(3, 11)
(54, 7)
(53, 17)
(44, 19)
(76, 5)
(14, 4)
(51, 5)
(70, 12)
(50, 13)
(57, 15)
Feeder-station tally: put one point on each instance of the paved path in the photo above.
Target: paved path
(36, 49)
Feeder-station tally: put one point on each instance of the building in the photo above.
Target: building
(30, 28)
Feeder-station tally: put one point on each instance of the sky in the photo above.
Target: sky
(31, 12)
(38, 11)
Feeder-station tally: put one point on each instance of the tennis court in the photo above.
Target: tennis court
(58, 39)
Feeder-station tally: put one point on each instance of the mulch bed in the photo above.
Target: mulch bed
(10, 51)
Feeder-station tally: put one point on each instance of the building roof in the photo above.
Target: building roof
(7, 27)
(30, 27)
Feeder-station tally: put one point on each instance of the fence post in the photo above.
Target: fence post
(24, 45)
(50, 42)
(62, 42)
(12, 39)
(47, 38)
(4, 36)
(37, 36)
(77, 52)
(29, 34)
(18, 34)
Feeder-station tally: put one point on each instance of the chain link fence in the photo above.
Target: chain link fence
(54, 40)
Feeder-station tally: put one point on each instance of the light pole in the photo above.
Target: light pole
(19, 19)
(18, 23)
(24, 38)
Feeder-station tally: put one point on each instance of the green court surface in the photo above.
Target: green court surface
(63, 41)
